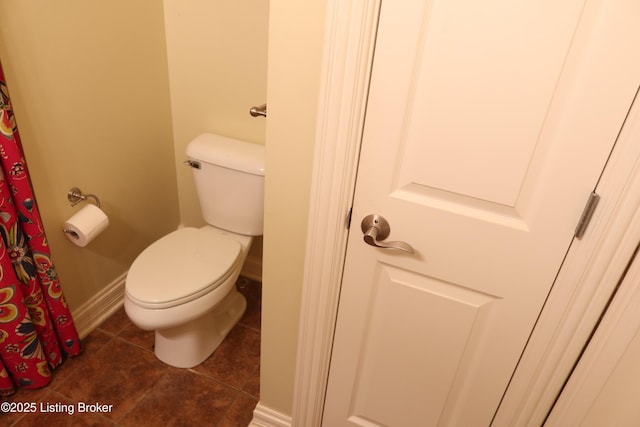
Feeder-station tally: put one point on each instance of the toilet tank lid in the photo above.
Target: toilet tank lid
(228, 152)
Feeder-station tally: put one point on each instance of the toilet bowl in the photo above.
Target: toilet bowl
(183, 288)
(183, 285)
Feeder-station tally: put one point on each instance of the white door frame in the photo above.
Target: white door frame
(349, 43)
(588, 277)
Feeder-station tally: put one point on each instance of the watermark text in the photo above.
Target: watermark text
(56, 407)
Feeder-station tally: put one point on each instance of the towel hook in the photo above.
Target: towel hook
(260, 110)
(75, 196)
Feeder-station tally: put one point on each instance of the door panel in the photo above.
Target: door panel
(465, 311)
(475, 114)
(481, 81)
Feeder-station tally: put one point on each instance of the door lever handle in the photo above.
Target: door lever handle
(376, 229)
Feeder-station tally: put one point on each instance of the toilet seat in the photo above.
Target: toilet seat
(182, 266)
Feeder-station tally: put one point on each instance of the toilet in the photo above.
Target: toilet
(183, 285)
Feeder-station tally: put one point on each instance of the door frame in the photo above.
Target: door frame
(351, 27)
(349, 43)
(602, 357)
(585, 283)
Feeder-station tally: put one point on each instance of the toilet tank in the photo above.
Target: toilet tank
(229, 178)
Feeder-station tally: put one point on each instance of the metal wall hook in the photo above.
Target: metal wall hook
(75, 196)
(260, 110)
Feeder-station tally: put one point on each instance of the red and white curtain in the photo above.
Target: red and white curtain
(36, 328)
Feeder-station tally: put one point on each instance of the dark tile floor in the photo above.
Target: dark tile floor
(118, 368)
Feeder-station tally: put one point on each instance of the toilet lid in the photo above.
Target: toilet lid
(182, 266)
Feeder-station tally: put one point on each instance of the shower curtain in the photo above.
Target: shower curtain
(36, 328)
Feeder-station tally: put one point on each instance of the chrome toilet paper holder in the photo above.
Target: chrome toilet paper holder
(75, 196)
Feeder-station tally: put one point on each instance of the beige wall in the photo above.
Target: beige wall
(217, 51)
(101, 107)
(295, 49)
(89, 87)
(91, 84)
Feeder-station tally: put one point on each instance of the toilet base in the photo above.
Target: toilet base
(190, 344)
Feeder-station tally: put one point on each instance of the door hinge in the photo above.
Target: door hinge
(348, 218)
(587, 213)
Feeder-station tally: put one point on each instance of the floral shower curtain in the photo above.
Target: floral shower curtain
(36, 328)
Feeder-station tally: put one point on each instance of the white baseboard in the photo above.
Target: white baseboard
(267, 417)
(92, 313)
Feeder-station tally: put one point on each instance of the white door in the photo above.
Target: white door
(488, 124)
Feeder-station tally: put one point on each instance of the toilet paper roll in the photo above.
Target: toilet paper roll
(85, 225)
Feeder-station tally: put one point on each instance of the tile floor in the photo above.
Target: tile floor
(118, 368)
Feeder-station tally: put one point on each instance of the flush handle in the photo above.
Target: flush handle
(376, 229)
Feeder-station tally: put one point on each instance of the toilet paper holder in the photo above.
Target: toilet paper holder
(75, 196)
